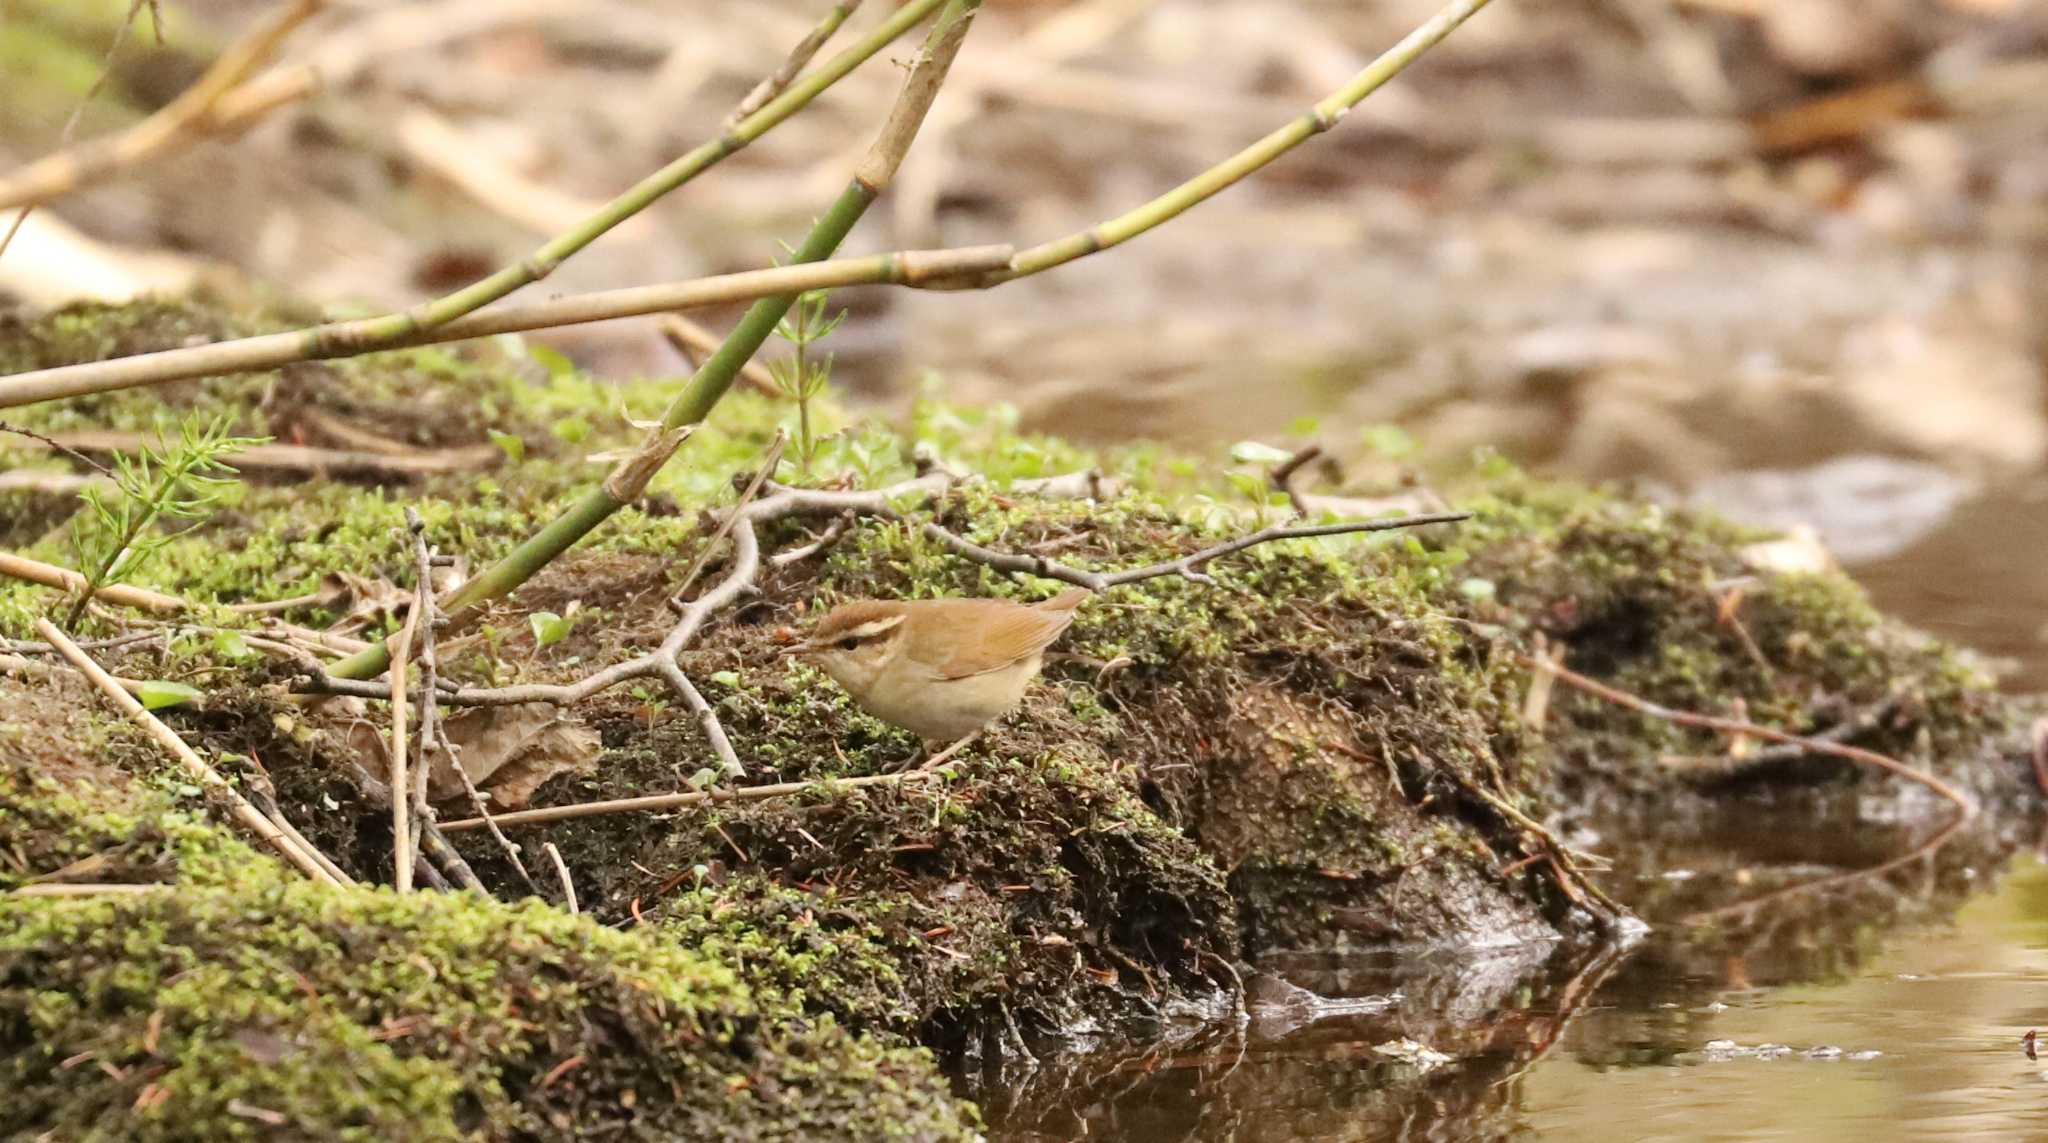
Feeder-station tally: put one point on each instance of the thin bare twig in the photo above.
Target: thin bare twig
(401, 786)
(298, 458)
(800, 55)
(433, 730)
(320, 343)
(424, 616)
(769, 462)
(87, 889)
(264, 795)
(562, 871)
(1740, 726)
(837, 528)
(1187, 567)
(205, 775)
(655, 802)
(58, 446)
(1925, 849)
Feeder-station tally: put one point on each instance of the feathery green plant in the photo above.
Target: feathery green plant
(177, 479)
(798, 376)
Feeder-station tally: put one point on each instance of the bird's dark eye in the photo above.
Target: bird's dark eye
(848, 643)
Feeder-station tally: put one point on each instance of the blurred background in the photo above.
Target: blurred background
(1778, 256)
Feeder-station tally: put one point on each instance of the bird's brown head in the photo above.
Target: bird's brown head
(853, 640)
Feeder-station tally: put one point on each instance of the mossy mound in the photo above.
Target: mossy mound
(242, 1001)
(1326, 746)
(1665, 605)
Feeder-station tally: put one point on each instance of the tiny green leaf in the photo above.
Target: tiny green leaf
(1390, 441)
(572, 430)
(157, 694)
(513, 446)
(231, 646)
(1474, 587)
(1257, 452)
(549, 628)
(726, 678)
(554, 361)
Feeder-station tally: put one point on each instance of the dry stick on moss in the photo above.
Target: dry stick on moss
(186, 119)
(1750, 729)
(423, 616)
(407, 327)
(1187, 567)
(71, 582)
(433, 842)
(264, 795)
(401, 788)
(695, 797)
(289, 457)
(562, 871)
(205, 775)
(434, 730)
(87, 889)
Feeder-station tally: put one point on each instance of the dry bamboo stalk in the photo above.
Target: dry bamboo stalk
(401, 802)
(94, 889)
(189, 116)
(205, 775)
(64, 579)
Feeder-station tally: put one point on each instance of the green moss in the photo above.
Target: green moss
(1637, 593)
(245, 998)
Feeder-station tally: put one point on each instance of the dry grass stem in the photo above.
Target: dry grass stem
(209, 778)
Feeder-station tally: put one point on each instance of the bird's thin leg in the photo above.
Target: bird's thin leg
(944, 756)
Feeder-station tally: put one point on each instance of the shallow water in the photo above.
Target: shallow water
(1825, 983)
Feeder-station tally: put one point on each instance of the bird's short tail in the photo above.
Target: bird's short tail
(1067, 600)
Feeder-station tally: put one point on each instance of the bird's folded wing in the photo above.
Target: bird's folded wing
(1011, 634)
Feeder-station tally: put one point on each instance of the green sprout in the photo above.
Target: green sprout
(185, 479)
(798, 376)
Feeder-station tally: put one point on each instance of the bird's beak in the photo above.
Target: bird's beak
(801, 647)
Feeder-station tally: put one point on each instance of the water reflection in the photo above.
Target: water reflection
(1857, 981)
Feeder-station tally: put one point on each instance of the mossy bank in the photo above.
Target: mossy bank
(1327, 747)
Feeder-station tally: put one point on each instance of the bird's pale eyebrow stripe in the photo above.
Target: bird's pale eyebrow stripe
(873, 627)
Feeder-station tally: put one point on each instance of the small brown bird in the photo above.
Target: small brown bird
(939, 668)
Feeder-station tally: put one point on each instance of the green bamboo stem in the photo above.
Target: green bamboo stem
(1318, 119)
(715, 377)
(954, 269)
(542, 262)
(777, 81)
(343, 339)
